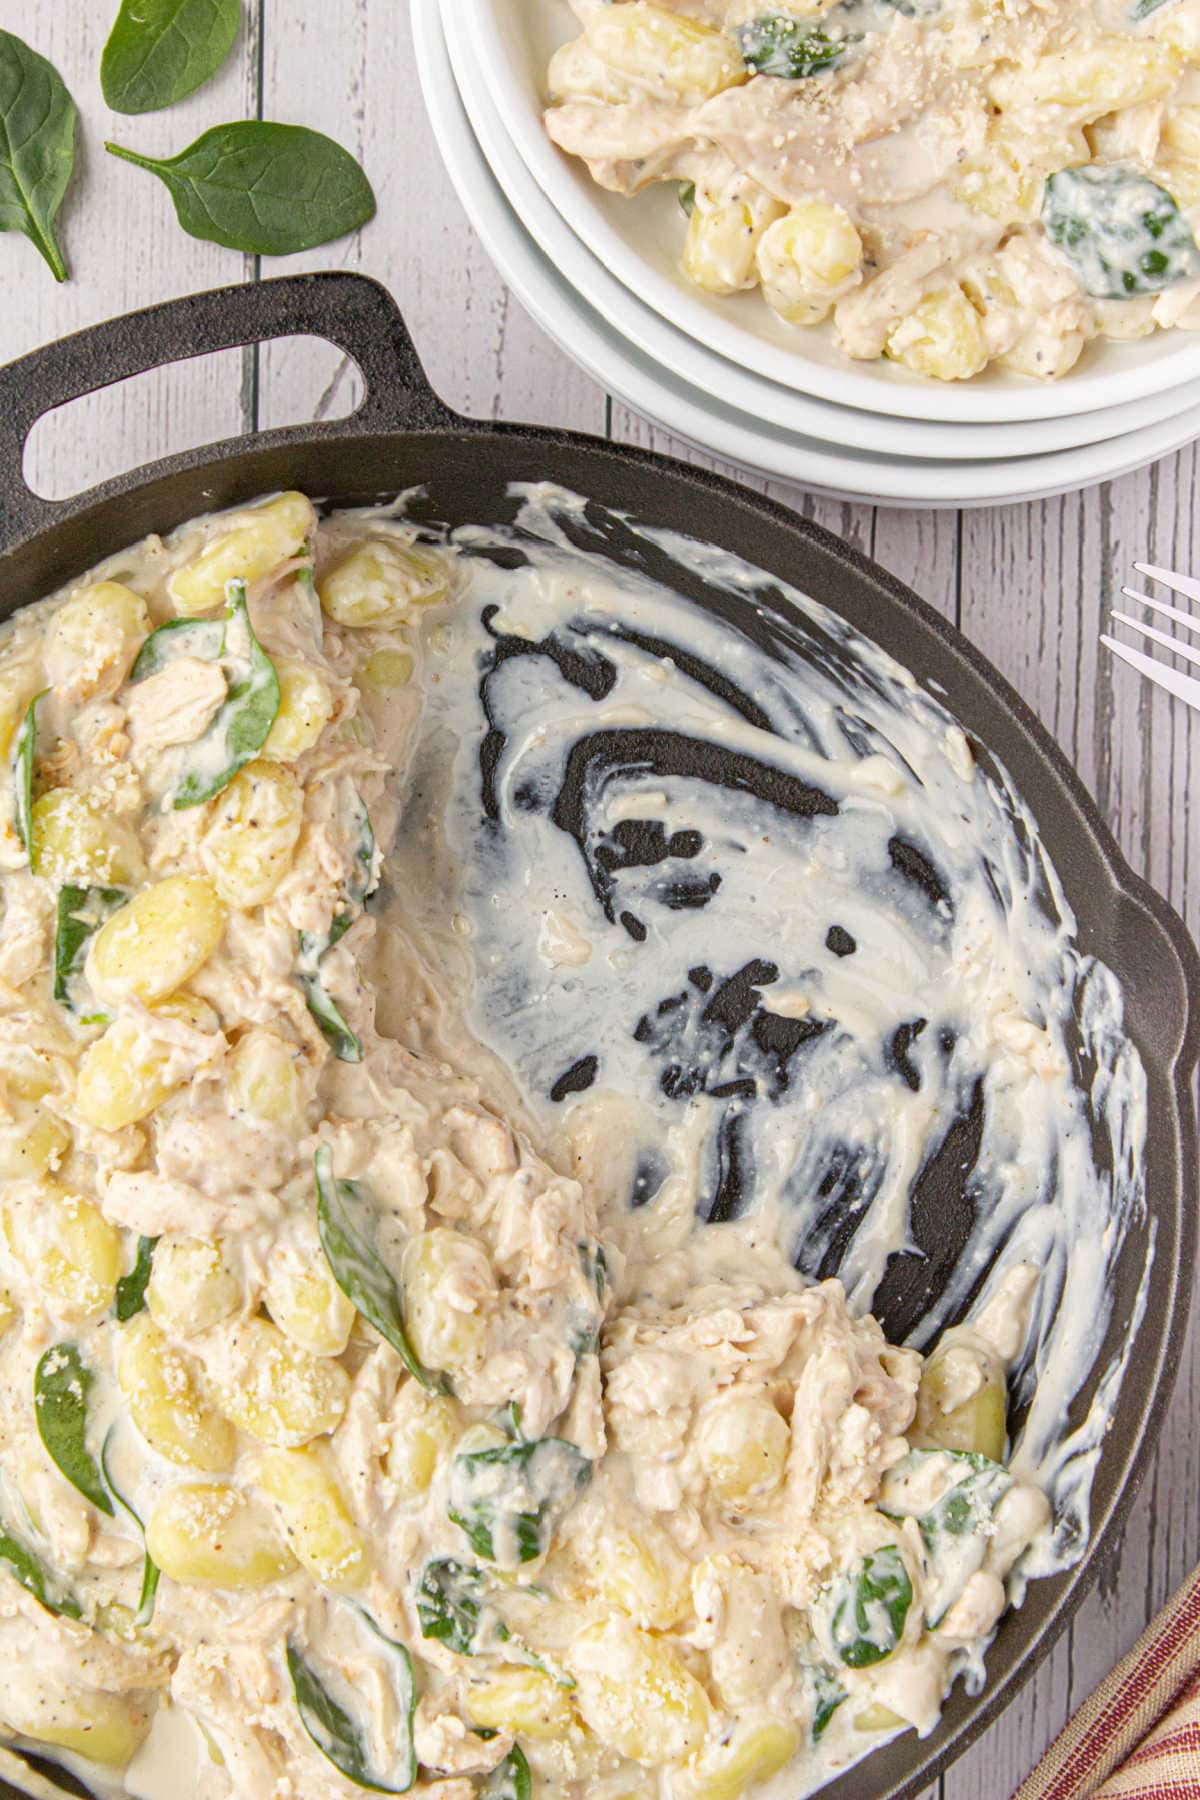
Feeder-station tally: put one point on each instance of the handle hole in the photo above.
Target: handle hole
(181, 406)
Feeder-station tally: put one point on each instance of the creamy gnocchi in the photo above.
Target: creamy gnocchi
(341, 1445)
(951, 183)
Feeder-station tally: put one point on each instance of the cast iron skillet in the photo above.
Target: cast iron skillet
(402, 436)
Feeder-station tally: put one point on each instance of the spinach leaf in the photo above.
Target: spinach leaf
(956, 1525)
(24, 1567)
(159, 51)
(262, 188)
(687, 197)
(80, 913)
(150, 1570)
(61, 1385)
(584, 1323)
(131, 1289)
(1121, 233)
(202, 638)
(791, 48)
(827, 1694)
(508, 1498)
(869, 1615)
(37, 147)
(344, 1042)
(1141, 9)
(347, 1226)
(247, 713)
(244, 719)
(24, 745)
(452, 1607)
(337, 1033)
(336, 1734)
(510, 1780)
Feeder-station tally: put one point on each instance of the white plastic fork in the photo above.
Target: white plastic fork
(1185, 687)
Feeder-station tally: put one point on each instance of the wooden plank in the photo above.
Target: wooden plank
(125, 249)
(1037, 584)
(481, 351)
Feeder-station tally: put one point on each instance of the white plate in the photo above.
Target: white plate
(639, 240)
(714, 428)
(714, 375)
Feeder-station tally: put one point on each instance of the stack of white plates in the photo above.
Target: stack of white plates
(599, 273)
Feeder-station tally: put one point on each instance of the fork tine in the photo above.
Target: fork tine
(1160, 606)
(1174, 644)
(1184, 687)
(1179, 584)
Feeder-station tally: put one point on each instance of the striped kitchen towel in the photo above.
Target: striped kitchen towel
(1138, 1736)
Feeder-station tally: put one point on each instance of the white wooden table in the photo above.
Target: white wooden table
(1029, 584)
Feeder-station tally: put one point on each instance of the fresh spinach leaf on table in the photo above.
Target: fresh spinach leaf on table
(159, 51)
(263, 188)
(37, 147)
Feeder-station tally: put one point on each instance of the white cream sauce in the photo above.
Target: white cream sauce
(820, 960)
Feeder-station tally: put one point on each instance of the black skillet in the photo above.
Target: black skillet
(403, 436)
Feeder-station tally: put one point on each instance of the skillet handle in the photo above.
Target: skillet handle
(353, 312)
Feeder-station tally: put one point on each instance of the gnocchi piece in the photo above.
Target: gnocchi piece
(211, 1535)
(447, 1281)
(384, 670)
(32, 1148)
(191, 1286)
(877, 1717)
(92, 640)
(642, 1575)
(305, 708)
(742, 1445)
(315, 1518)
(157, 942)
(278, 1393)
(808, 259)
(73, 841)
(424, 1429)
(749, 1757)
(128, 1073)
(268, 535)
(577, 73)
(256, 823)
(69, 1249)
(16, 691)
(1096, 78)
(308, 1305)
(636, 1695)
(1001, 183)
(105, 1728)
(942, 336)
(381, 582)
(264, 1079)
(962, 1402)
(165, 1403)
(526, 1701)
(665, 53)
(722, 241)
